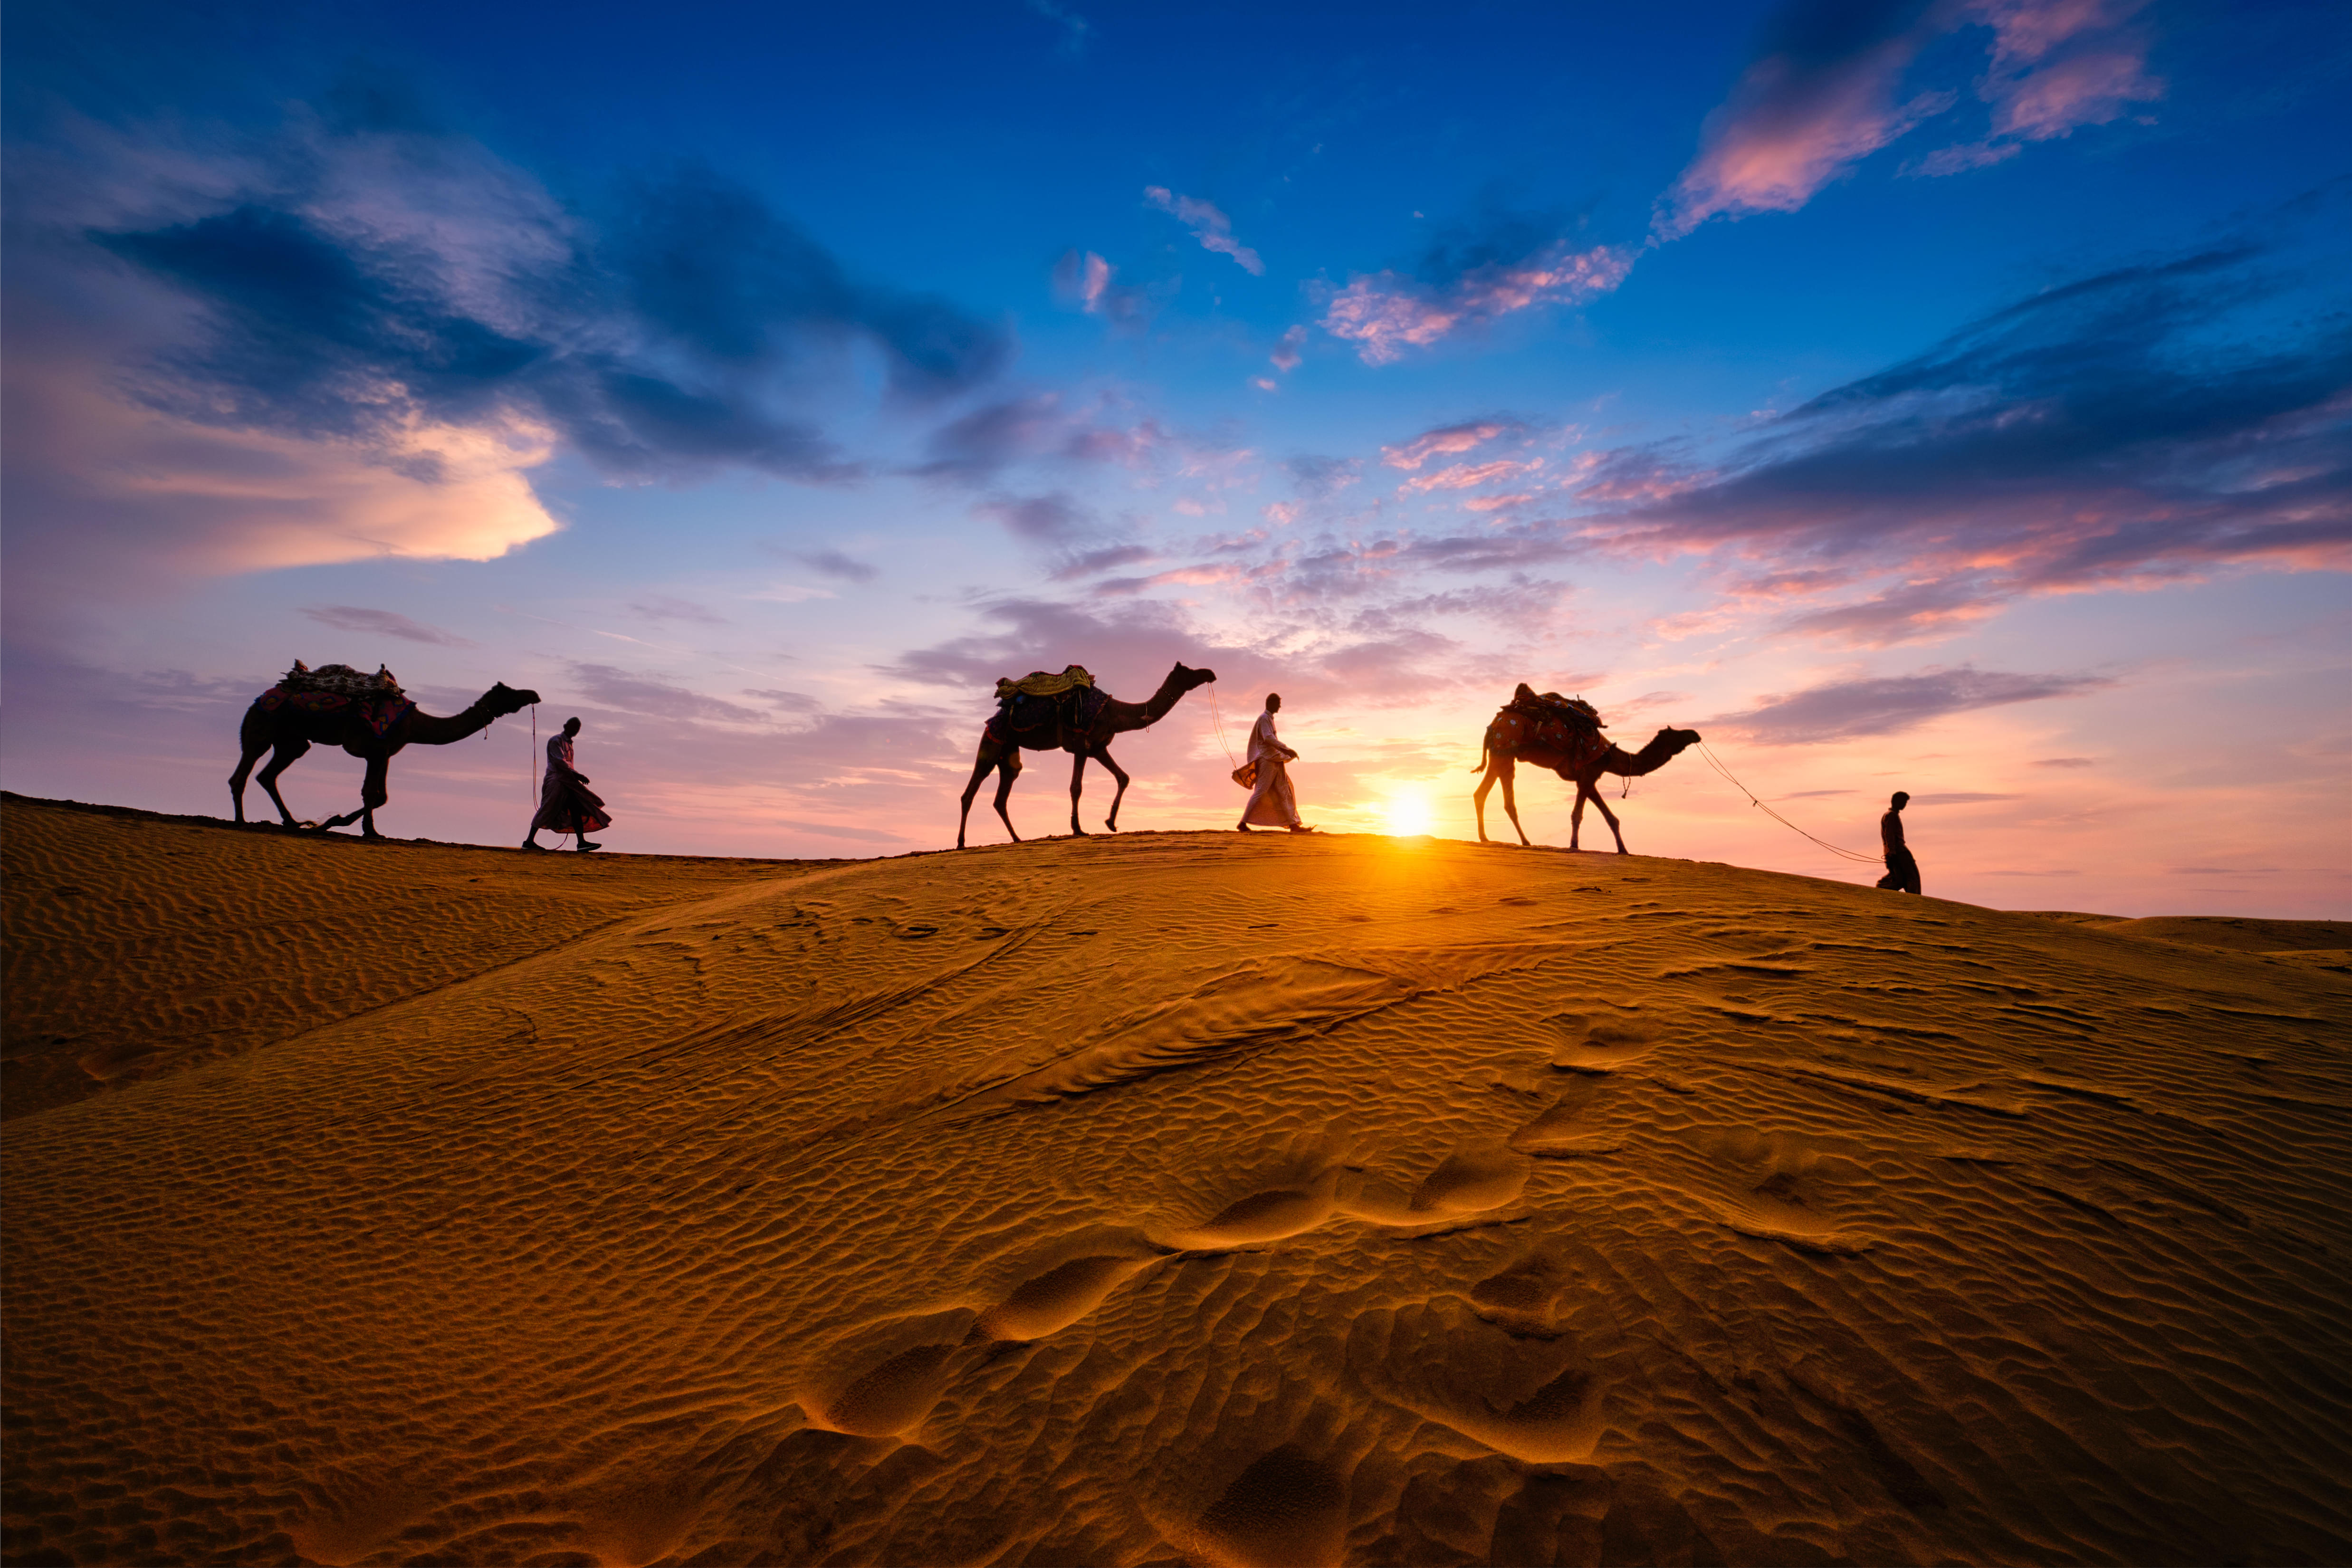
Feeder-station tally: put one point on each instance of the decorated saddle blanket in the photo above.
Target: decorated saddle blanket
(332, 688)
(1039, 683)
(1062, 714)
(1550, 706)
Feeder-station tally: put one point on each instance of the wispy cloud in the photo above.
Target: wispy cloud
(1446, 441)
(2132, 428)
(1825, 89)
(1385, 313)
(667, 607)
(1463, 475)
(384, 623)
(1212, 228)
(833, 564)
(1887, 705)
(2057, 65)
(1819, 95)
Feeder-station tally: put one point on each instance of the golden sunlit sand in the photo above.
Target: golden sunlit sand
(1175, 1197)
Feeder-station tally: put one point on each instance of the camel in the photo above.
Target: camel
(288, 731)
(1580, 755)
(1001, 747)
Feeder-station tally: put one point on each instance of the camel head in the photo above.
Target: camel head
(1184, 677)
(502, 699)
(1672, 742)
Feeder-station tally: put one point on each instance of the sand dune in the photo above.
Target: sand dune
(1166, 1198)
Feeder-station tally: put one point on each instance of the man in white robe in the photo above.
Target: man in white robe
(1271, 802)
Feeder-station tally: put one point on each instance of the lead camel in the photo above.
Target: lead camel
(288, 731)
(1001, 746)
(1575, 749)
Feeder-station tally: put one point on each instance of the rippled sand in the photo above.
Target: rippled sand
(1166, 1198)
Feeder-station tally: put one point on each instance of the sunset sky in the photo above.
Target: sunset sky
(1952, 397)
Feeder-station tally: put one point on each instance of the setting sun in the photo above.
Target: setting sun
(1407, 814)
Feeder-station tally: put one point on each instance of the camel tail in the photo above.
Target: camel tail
(1486, 748)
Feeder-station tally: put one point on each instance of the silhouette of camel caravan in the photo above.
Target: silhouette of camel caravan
(367, 715)
(1563, 733)
(1043, 711)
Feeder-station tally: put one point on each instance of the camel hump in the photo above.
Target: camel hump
(1043, 683)
(1550, 706)
(340, 680)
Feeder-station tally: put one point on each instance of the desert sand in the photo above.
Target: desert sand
(1170, 1198)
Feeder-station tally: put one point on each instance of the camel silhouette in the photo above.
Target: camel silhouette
(288, 731)
(1001, 746)
(1574, 748)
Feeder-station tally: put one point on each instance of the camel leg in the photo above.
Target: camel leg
(1077, 782)
(284, 755)
(243, 771)
(1009, 769)
(1478, 797)
(1608, 817)
(981, 767)
(1102, 754)
(1576, 817)
(1511, 801)
(375, 793)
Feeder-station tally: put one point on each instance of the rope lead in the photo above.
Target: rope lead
(1717, 764)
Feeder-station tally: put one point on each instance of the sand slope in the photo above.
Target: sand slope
(1197, 1198)
(140, 944)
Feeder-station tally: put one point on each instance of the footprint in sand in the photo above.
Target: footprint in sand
(1268, 1215)
(887, 1376)
(1524, 1297)
(1052, 1300)
(1559, 1133)
(1286, 1510)
(1540, 1400)
(1779, 1192)
(1481, 1174)
(1603, 1042)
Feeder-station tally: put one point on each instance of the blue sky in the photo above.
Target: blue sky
(1950, 397)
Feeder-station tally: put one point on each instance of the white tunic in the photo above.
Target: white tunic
(1271, 803)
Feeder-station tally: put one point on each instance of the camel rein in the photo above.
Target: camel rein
(1713, 762)
(1218, 720)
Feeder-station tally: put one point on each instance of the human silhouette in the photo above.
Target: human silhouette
(1902, 870)
(1271, 803)
(566, 805)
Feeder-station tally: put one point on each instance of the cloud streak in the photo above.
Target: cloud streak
(1889, 705)
(384, 623)
(2137, 427)
(1212, 228)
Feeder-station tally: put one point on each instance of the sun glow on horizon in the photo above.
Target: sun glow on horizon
(1406, 814)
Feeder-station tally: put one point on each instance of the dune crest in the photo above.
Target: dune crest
(1459, 1205)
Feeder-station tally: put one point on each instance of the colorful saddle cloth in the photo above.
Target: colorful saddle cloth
(331, 688)
(1550, 706)
(1039, 683)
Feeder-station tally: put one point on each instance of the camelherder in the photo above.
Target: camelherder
(566, 805)
(1271, 802)
(1902, 870)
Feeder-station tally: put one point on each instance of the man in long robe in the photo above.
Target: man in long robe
(566, 804)
(1902, 870)
(1271, 803)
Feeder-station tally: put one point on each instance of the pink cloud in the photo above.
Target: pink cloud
(2057, 65)
(1385, 312)
(1463, 475)
(1285, 353)
(1497, 503)
(1791, 126)
(1443, 442)
(1212, 228)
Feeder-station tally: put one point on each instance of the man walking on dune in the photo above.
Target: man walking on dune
(1271, 802)
(1902, 871)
